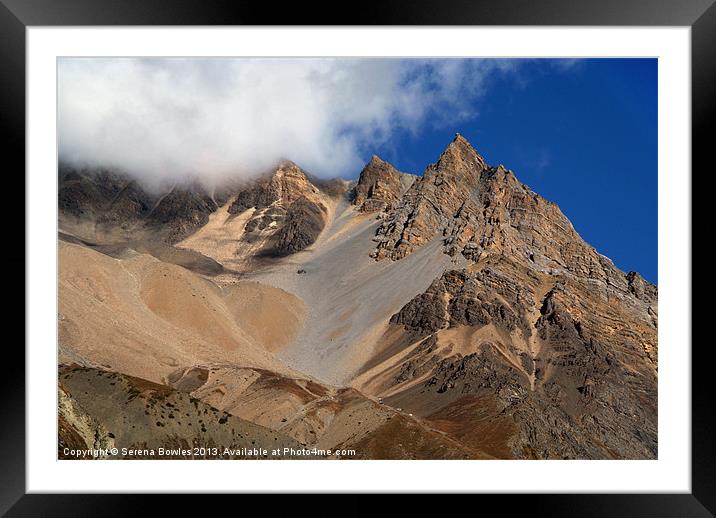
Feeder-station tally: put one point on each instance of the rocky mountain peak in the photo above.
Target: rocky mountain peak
(288, 168)
(376, 160)
(288, 210)
(284, 185)
(433, 200)
(460, 156)
(289, 183)
(478, 211)
(380, 185)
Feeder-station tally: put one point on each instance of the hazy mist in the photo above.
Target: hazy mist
(167, 118)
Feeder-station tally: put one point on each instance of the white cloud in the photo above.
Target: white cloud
(164, 118)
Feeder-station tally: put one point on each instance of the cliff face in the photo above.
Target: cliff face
(480, 210)
(94, 193)
(380, 186)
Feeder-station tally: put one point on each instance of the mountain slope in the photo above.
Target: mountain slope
(318, 415)
(100, 409)
(458, 314)
(145, 317)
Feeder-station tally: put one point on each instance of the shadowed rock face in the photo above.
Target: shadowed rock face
(304, 222)
(182, 211)
(128, 207)
(335, 187)
(120, 207)
(93, 193)
(460, 298)
(380, 186)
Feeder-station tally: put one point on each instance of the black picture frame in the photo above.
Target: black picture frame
(17, 15)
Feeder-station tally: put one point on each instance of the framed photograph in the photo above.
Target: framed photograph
(426, 249)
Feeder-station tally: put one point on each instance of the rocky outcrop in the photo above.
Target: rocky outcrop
(304, 222)
(288, 210)
(432, 202)
(462, 298)
(120, 208)
(284, 185)
(641, 288)
(77, 430)
(380, 186)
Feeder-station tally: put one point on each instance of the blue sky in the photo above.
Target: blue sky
(583, 136)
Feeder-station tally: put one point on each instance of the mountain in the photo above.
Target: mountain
(275, 215)
(456, 314)
(534, 322)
